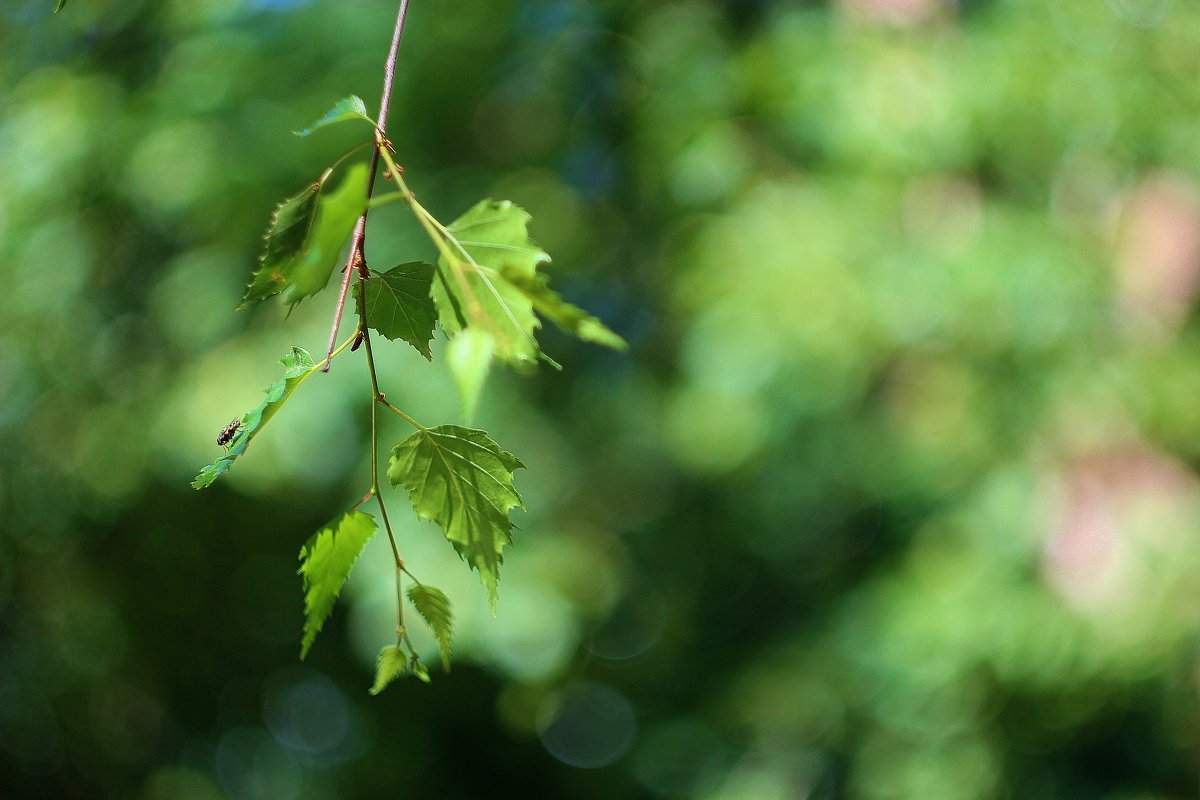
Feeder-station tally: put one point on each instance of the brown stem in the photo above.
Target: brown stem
(357, 258)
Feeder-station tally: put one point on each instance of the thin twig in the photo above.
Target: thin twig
(357, 258)
(376, 399)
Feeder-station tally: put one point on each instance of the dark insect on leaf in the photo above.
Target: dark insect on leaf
(357, 341)
(298, 366)
(228, 432)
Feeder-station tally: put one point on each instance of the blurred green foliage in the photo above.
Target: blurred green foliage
(894, 496)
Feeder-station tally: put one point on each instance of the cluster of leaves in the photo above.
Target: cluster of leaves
(486, 291)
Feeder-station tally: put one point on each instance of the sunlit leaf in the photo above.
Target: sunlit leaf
(434, 607)
(487, 289)
(347, 108)
(570, 318)
(390, 665)
(305, 237)
(470, 291)
(469, 357)
(298, 365)
(399, 306)
(59, 6)
(325, 562)
(462, 480)
(338, 212)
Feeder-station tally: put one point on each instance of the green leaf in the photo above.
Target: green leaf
(59, 6)
(351, 107)
(462, 480)
(470, 291)
(335, 220)
(298, 365)
(469, 358)
(419, 670)
(489, 284)
(570, 318)
(325, 562)
(284, 240)
(305, 237)
(390, 665)
(399, 306)
(434, 607)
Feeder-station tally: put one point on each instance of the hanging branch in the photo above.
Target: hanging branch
(483, 291)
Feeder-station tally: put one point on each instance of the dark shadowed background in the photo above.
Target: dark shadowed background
(894, 495)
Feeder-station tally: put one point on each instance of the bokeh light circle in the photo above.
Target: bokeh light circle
(587, 725)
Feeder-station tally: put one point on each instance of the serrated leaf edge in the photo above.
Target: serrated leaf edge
(398, 479)
(423, 349)
(313, 627)
(382, 682)
(317, 187)
(439, 599)
(241, 440)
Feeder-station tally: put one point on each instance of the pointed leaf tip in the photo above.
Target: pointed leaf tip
(490, 282)
(569, 318)
(391, 664)
(347, 108)
(325, 563)
(462, 480)
(399, 306)
(469, 358)
(306, 234)
(434, 607)
(297, 365)
(289, 228)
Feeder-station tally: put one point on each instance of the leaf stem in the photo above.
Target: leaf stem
(402, 415)
(440, 236)
(356, 256)
(385, 199)
(347, 155)
(375, 400)
(401, 633)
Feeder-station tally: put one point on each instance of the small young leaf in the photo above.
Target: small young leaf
(305, 236)
(399, 306)
(572, 319)
(351, 107)
(419, 670)
(390, 665)
(434, 607)
(495, 237)
(298, 365)
(462, 480)
(325, 562)
(469, 358)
